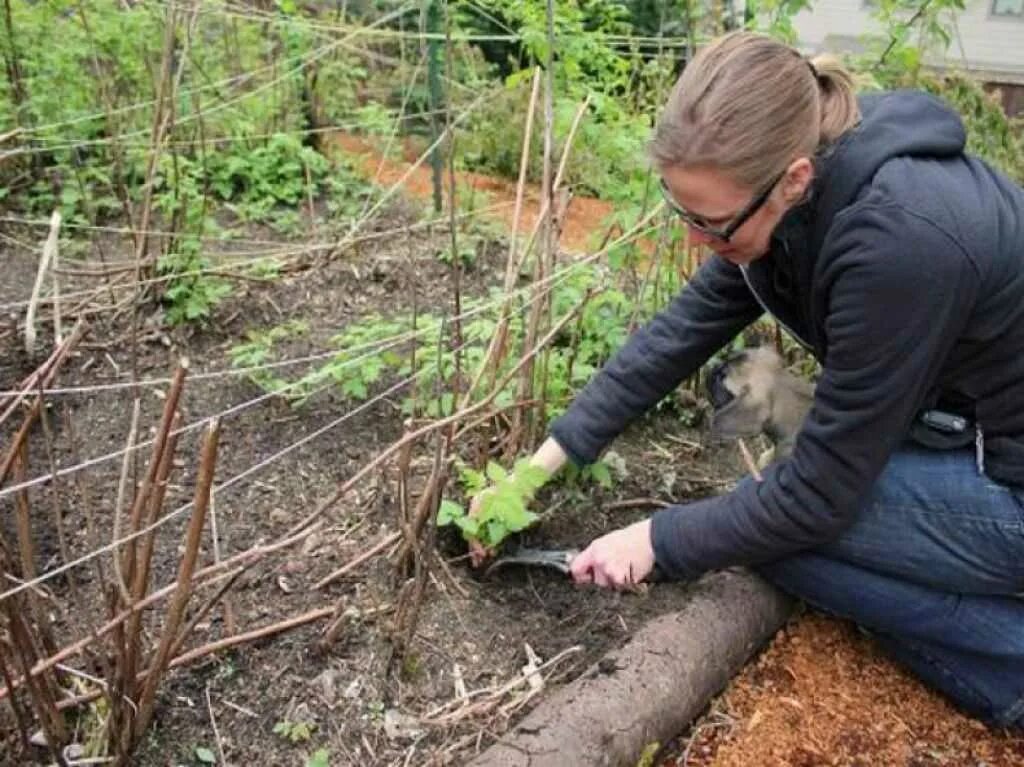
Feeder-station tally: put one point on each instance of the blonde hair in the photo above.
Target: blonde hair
(748, 105)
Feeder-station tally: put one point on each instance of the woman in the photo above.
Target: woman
(898, 260)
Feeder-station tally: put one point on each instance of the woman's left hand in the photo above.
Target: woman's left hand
(618, 560)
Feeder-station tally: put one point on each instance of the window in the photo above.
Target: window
(1008, 8)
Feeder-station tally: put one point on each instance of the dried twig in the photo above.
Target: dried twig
(635, 503)
(213, 723)
(459, 709)
(119, 579)
(205, 576)
(373, 551)
(748, 459)
(49, 254)
(205, 609)
(249, 636)
(47, 376)
(214, 647)
(20, 716)
(176, 611)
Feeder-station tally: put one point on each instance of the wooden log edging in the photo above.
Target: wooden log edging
(652, 688)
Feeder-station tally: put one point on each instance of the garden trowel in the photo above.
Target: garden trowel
(557, 559)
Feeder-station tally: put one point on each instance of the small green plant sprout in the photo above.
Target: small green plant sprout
(467, 255)
(648, 755)
(320, 758)
(296, 732)
(257, 349)
(205, 755)
(502, 505)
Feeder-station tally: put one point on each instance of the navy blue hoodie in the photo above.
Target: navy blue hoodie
(904, 274)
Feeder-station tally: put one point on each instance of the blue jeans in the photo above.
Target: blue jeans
(933, 566)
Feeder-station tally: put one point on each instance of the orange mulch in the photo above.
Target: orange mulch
(824, 694)
(583, 227)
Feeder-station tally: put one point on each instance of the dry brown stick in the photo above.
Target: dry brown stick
(176, 610)
(160, 443)
(204, 577)
(412, 528)
(119, 580)
(47, 379)
(420, 543)
(20, 715)
(58, 519)
(161, 115)
(498, 339)
(404, 459)
(40, 690)
(229, 612)
(371, 552)
(49, 253)
(542, 215)
(140, 584)
(330, 634)
(524, 162)
(213, 721)
(748, 459)
(634, 503)
(337, 620)
(276, 628)
(23, 519)
(156, 503)
(202, 612)
(31, 383)
(213, 647)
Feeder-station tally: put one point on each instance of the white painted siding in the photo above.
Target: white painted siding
(992, 46)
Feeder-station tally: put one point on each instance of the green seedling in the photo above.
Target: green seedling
(503, 505)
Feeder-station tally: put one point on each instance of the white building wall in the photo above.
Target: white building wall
(990, 45)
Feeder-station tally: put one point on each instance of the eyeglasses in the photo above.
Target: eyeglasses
(701, 224)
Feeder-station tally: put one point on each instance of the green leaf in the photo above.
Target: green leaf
(599, 471)
(205, 755)
(449, 512)
(355, 388)
(319, 759)
(518, 518)
(529, 478)
(474, 481)
(470, 527)
(495, 473)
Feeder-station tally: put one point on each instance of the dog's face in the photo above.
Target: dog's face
(740, 390)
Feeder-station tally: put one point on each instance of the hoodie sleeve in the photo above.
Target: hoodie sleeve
(898, 292)
(709, 311)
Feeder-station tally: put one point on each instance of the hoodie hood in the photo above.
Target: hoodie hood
(895, 124)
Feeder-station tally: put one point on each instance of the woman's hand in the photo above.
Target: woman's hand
(618, 560)
(478, 553)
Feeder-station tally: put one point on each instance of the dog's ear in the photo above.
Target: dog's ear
(740, 417)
